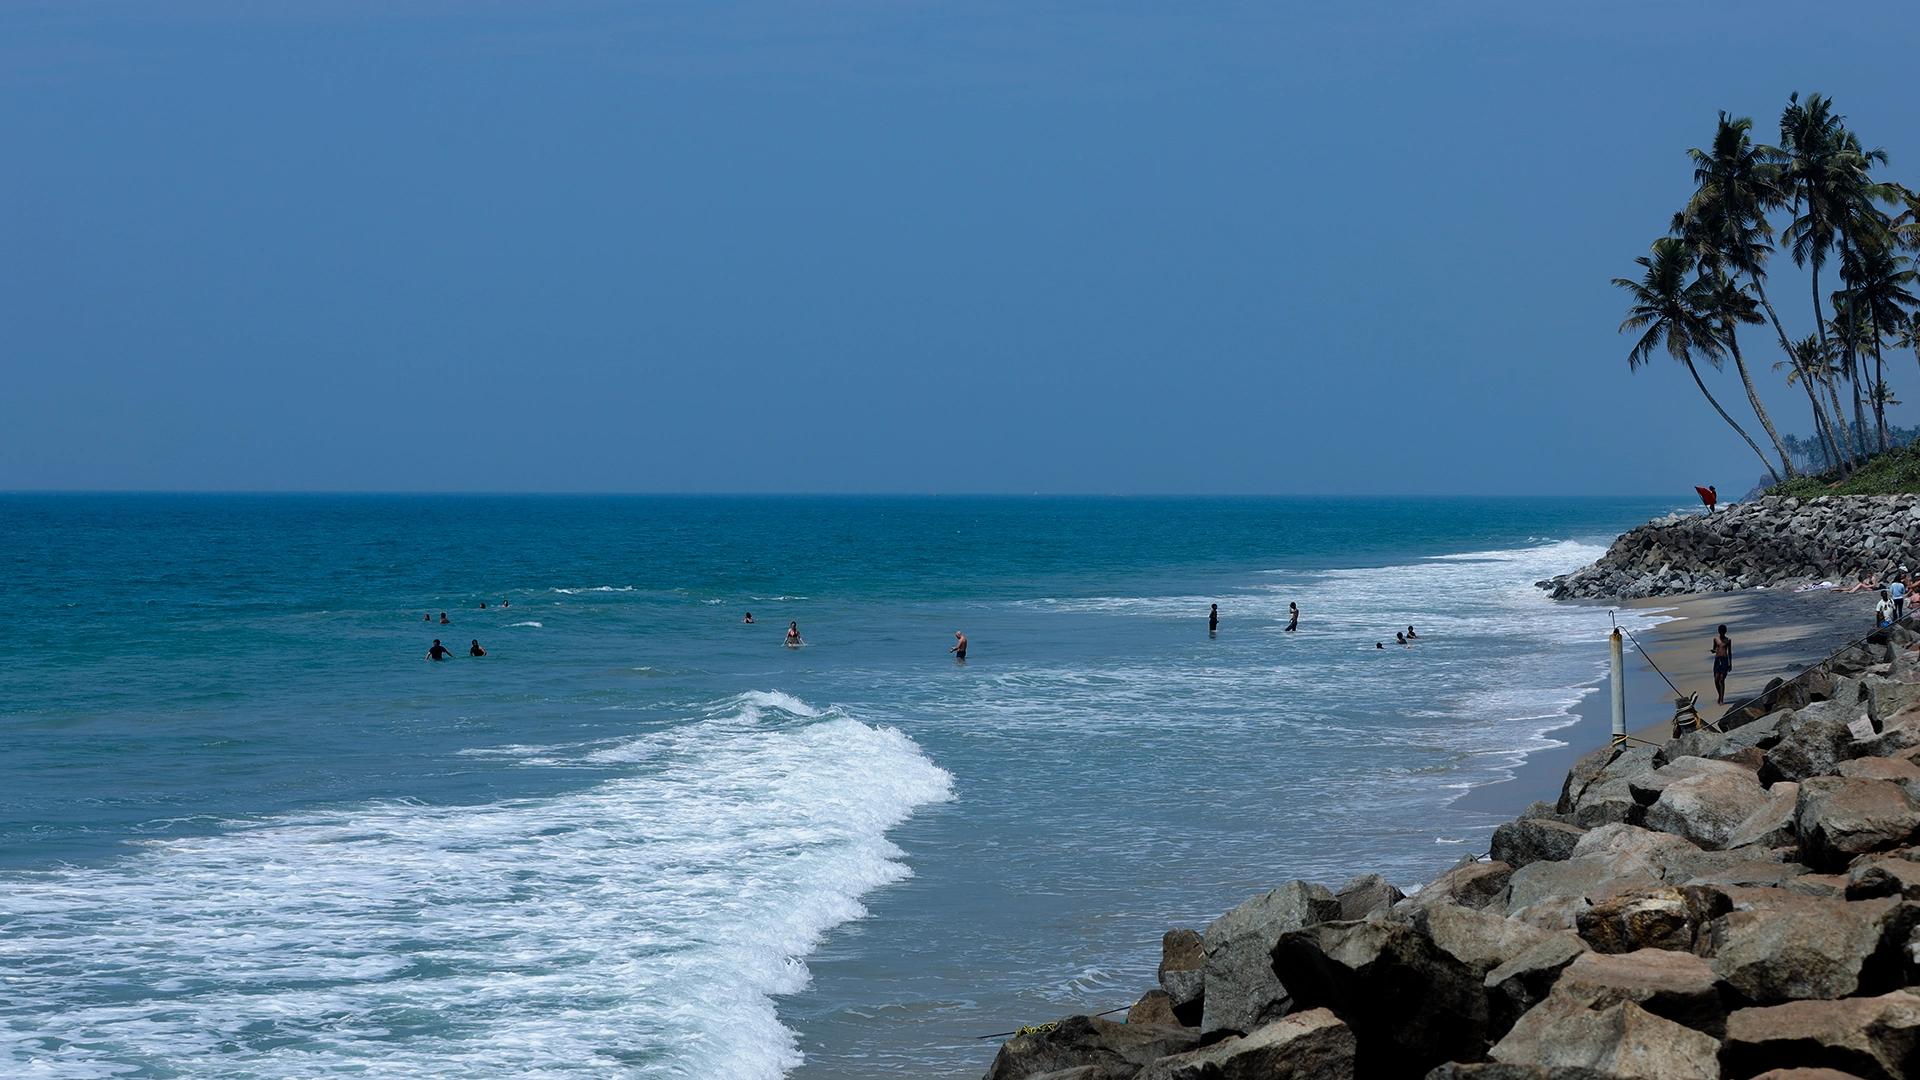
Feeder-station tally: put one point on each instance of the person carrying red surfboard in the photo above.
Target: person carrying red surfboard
(1708, 496)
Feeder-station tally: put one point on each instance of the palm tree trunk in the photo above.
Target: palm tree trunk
(1820, 328)
(1879, 381)
(1759, 410)
(1822, 428)
(1695, 372)
(1859, 404)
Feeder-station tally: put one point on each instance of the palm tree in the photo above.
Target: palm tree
(1880, 294)
(1736, 184)
(1729, 306)
(1681, 315)
(1815, 357)
(1848, 332)
(1810, 144)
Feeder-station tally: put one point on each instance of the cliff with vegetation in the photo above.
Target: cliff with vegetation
(1771, 541)
(1733, 903)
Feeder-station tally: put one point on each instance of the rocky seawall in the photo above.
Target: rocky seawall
(1769, 541)
(1736, 902)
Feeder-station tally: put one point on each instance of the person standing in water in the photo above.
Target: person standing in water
(439, 651)
(749, 618)
(1400, 639)
(1213, 620)
(1410, 634)
(475, 649)
(959, 649)
(444, 621)
(1722, 663)
(793, 635)
(1293, 616)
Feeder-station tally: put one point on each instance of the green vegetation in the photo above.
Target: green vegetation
(1896, 472)
(1708, 277)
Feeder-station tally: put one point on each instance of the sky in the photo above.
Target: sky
(869, 246)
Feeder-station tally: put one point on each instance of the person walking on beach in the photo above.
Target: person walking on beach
(1213, 620)
(439, 651)
(1293, 616)
(959, 649)
(1722, 663)
(475, 649)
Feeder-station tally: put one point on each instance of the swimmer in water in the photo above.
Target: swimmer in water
(959, 649)
(793, 636)
(1410, 634)
(506, 603)
(1379, 644)
(427, 617)
(439, 651)
(483, 605)
(444, 621)
(749, 618)
(1401, 638)
(475, 649)
(1213, 620)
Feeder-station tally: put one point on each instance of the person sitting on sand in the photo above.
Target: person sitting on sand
(1722, 663)
(959, 649)
(1883, 612)
(1293, 616)
(475, 649)
(439, 651)
(793, 635)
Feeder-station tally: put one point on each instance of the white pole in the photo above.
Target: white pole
(1619, 680)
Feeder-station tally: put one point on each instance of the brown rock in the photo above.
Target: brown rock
(1311, 1045)
(1471, 884)
(1839, 817)
(1154, 1007)
(1795, 948)
(1183, 972)
(1619, 1040)
(1876, 1038)
(1679, 986)
(1118, 1050)
(1524, 979)
(1661, 918)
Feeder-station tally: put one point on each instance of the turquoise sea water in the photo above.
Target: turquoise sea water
(246, 830)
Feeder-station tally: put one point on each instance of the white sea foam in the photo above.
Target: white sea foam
(528, 623)
(637, 927)
(593, 589)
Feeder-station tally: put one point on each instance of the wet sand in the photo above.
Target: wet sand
(1774, 633)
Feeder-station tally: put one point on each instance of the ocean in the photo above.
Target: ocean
(248, 830)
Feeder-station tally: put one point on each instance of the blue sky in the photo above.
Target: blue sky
(863, 246)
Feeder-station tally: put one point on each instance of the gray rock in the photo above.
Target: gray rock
(1797, 948)
(1708, 808)
(1368, 894)
(1115, 1050)
(1646, 787)
(1895, 770)
(1154, 1007)
(1183, 972)
(1242, 992)
(1772, 825)
(1679, 986)
(1411, 1004)
(1760, 734)
(1599, 788)
(1535, 839)
(1470, 884)
(1311, 1045)
(1499, 1070)
(1524, 979)
(1839, 817)
(1812, 743)
(1619, 1040)
(1876, 1038)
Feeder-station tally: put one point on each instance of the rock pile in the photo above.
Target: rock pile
(1765, 542)
(1734, 903)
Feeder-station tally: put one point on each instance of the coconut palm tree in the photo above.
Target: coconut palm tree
(1680, 314)
(1811, 141)
(1880, 297)
(1730, 305)
(1736, 184)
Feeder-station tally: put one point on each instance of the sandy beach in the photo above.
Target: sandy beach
(1775, 633)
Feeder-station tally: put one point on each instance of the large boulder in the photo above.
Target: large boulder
(1875, 1038)
(1812, 743)
(1797, 947)
(1154, 1007)
(1116, 1051)
(1667, 917)
(1894, 873)
(1679, 986)
(1524, 979)
(1411, 1004)
(1840, 817)
(1367, 895)
(1310, 1045)
(1708, 807)
(1535, 839)
(1599, 787)
(1183, 972)
(1242, 991)
(1619, 1040)
(1647, 787)
(1892, 769)
(1771, 825)
(1471, 884)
